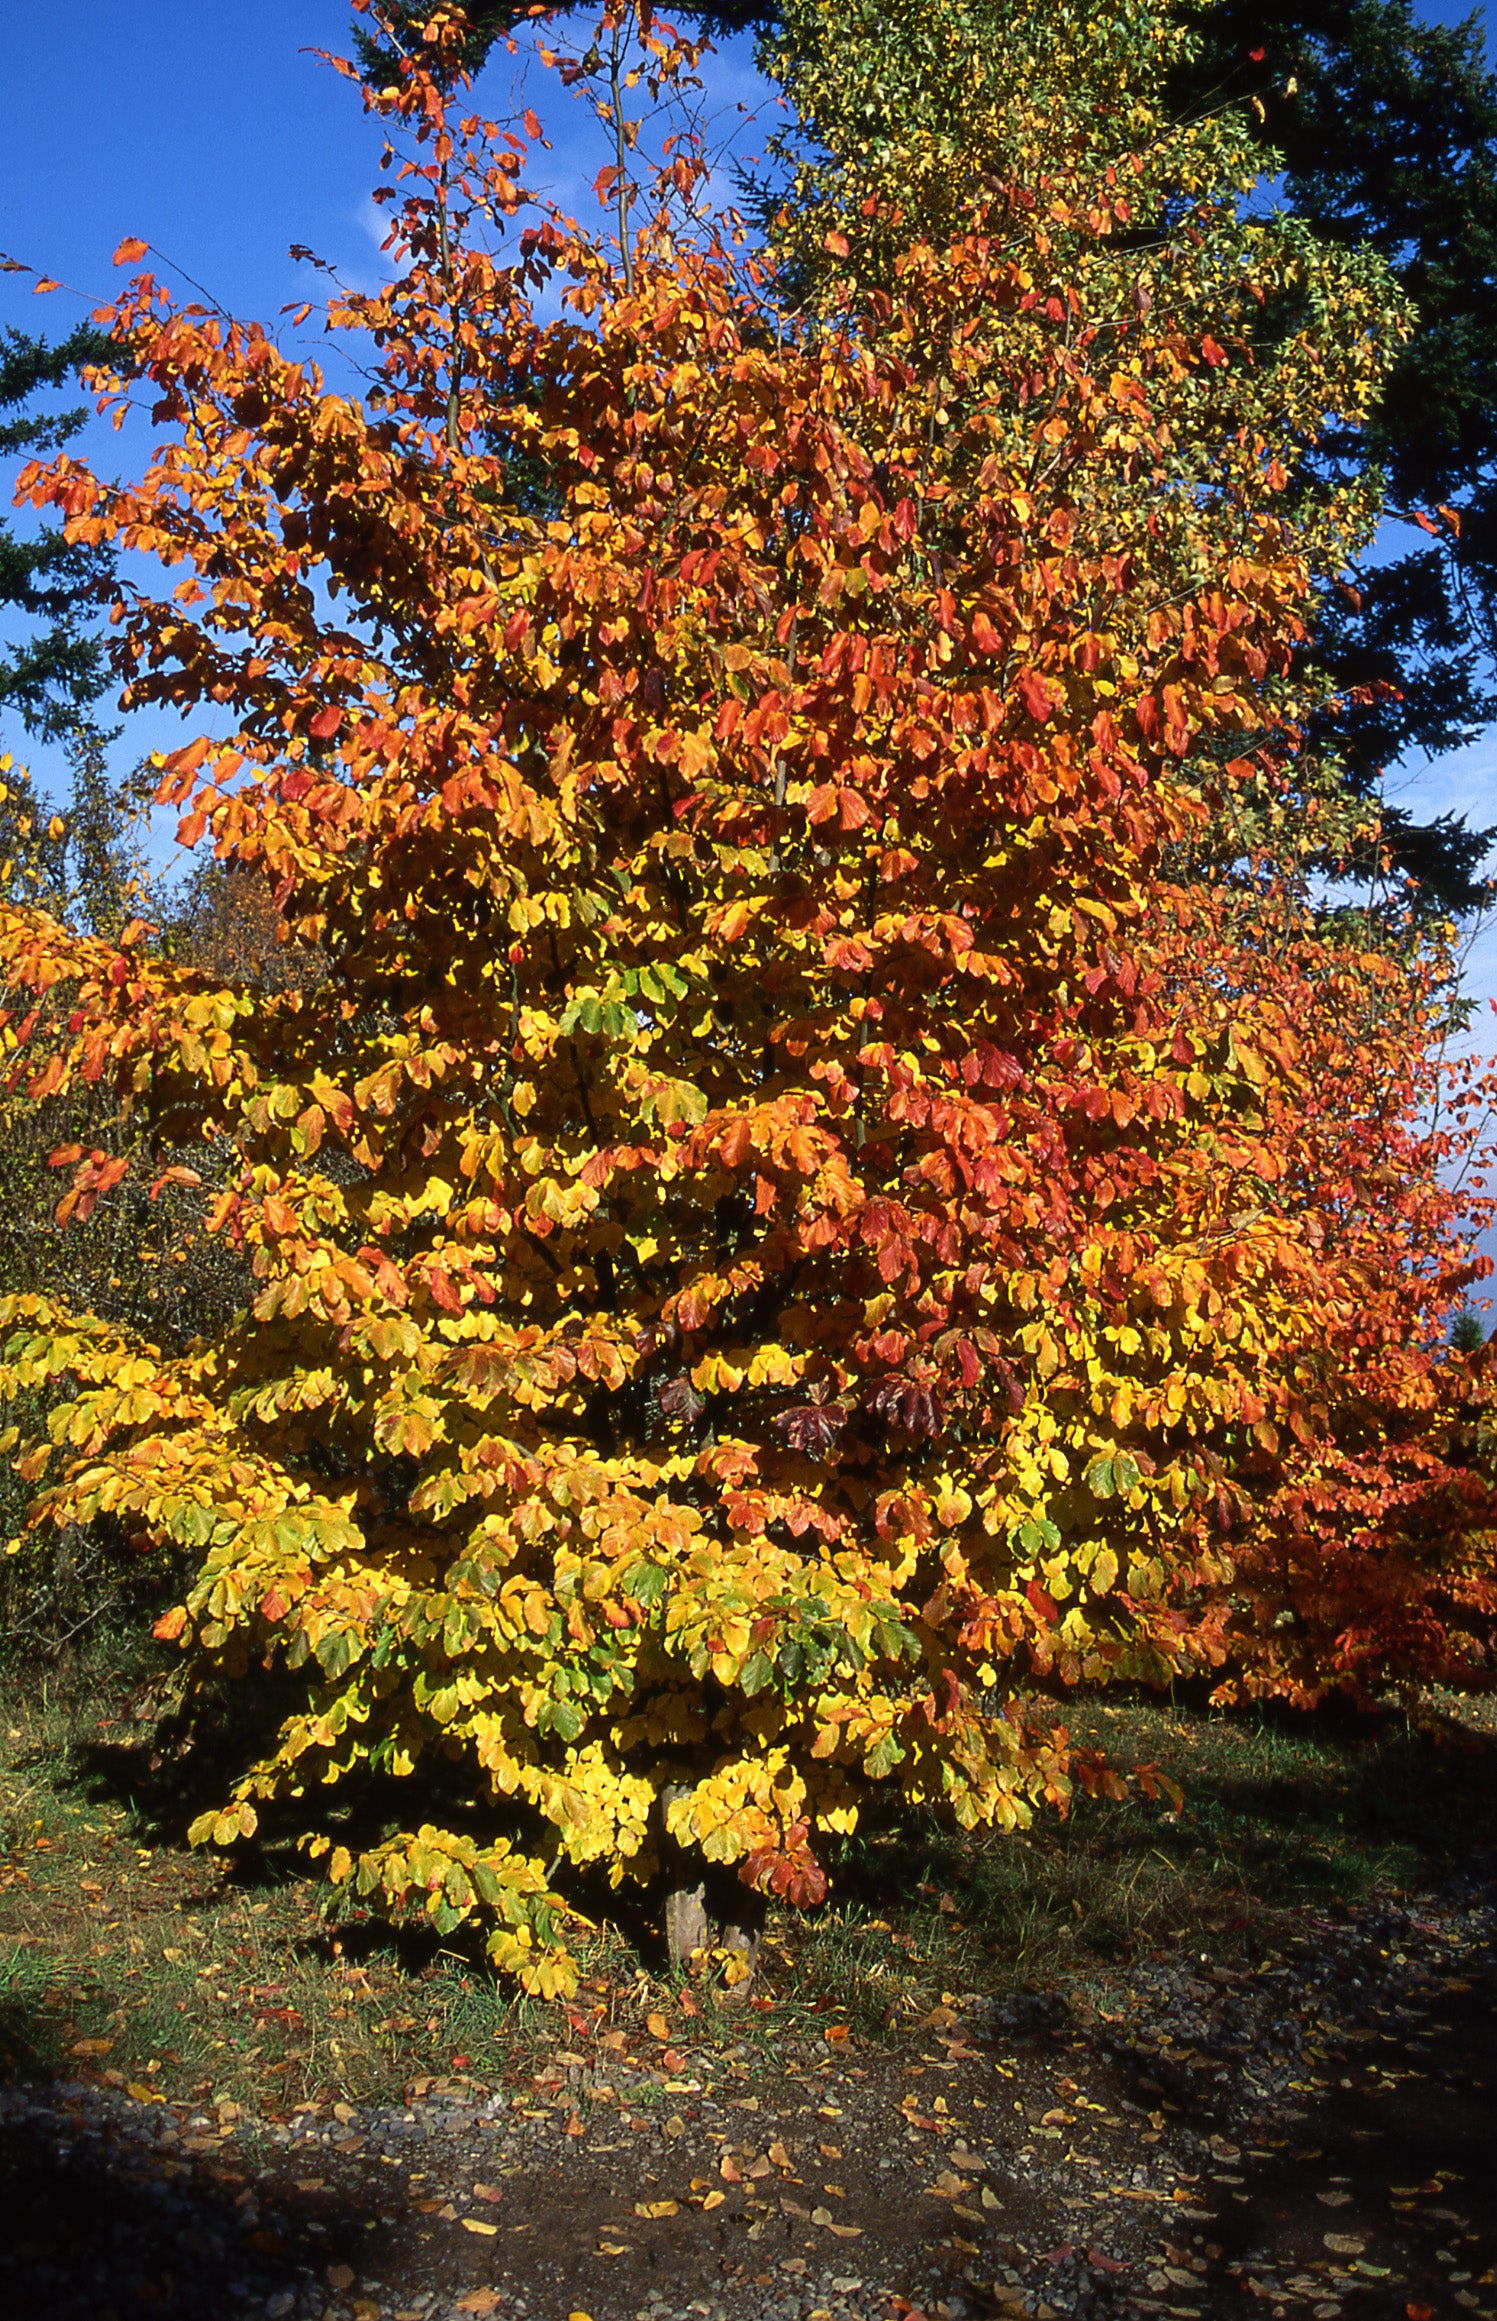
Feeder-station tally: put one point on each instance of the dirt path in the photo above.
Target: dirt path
(1317, 2134)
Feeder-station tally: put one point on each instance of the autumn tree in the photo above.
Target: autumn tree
(782, 1239)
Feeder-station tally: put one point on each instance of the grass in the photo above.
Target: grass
(1283, 1816)
(125, 1955)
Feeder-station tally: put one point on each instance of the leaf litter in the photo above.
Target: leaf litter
(1308, 2129)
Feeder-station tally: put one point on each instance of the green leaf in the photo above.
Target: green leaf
(755, 1673)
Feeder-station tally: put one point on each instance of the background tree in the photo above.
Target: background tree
(55, 673)
(1387, 129)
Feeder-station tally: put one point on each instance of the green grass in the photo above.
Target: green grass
(1283, 1816)
(122, 1953)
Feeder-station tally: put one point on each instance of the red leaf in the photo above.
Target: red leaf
(326, 723)
(1037, 695)
(1042, 1604)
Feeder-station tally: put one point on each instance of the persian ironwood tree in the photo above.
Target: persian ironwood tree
(778, 1234)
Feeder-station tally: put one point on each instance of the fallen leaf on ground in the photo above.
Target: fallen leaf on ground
(714, 2199)
(477, 2224)
(657, 2207)
(339, 2276)
(1334, 2199)
(478, 2301)
(489, 2192)
(949, 2187)
(1344, 2244)
(658, 2027)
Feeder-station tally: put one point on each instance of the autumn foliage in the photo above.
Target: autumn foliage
(787, 1230)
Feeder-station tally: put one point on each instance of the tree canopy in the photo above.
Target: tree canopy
(1385, 128)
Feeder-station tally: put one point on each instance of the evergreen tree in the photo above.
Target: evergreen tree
(1387, 128)
(55, 672)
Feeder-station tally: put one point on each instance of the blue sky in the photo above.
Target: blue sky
(212, 133)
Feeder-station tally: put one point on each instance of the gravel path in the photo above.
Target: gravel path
(1317, 2135)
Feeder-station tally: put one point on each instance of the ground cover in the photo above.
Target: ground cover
(160, 1963)
(990, 2075)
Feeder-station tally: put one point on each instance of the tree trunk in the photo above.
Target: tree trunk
(687, 1926)
(705, 1908)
